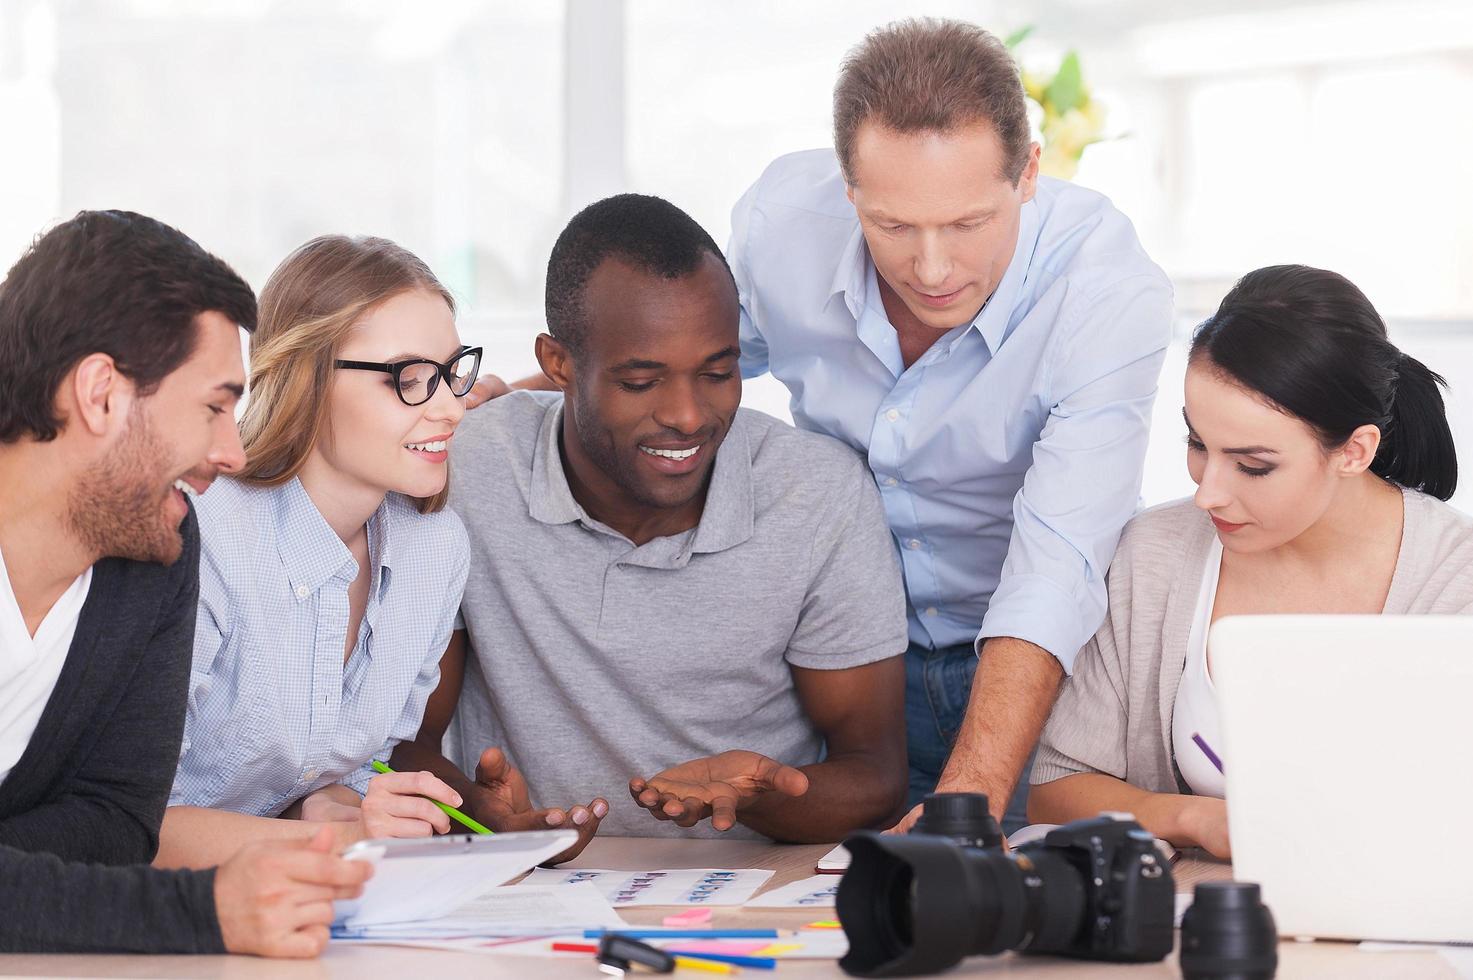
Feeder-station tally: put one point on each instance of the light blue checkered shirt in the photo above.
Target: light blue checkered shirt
(274, 712)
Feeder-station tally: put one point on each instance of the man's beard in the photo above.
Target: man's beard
(117, 509)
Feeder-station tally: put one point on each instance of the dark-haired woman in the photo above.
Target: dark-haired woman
(1322, 457)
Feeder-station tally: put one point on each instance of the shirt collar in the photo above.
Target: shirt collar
(992, 321)
(551, 498)
(995, 318)
(731, 511)
(851, 271)
(726, 521)
(311, 551)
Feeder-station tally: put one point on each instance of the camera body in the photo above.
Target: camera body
(1093, 889)
(1127, 888)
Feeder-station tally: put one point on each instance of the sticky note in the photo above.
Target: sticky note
(690, 917)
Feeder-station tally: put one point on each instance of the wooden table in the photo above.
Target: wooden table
(1338, 960)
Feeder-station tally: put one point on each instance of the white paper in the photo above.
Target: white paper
(811, 893)
(835, 860)
(427, 878)
(507, 911)
(1460, 959)
(1459, 956)
(683, 886)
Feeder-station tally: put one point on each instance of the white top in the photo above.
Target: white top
(30, 665)
(1196, 698)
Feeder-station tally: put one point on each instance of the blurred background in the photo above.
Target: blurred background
(1235, 134)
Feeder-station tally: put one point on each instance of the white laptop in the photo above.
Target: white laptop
(1348, 751)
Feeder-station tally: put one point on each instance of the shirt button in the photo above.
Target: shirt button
(912, 544)
(930, 610)
(892, 415)
(311, 774)
(890, 481)
(301, 592)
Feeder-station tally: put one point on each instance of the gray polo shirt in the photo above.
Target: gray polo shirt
(596, 660)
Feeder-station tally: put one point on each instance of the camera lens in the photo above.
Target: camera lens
(918, 904)
(964, 817)
(1228, 934)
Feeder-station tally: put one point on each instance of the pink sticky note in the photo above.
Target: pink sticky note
(690, 917)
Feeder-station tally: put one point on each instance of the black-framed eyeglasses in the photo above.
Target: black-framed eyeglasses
(416, 379)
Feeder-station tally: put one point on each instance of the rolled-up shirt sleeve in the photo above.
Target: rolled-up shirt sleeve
(1084, 480)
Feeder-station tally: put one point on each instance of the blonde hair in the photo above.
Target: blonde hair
(309, 306)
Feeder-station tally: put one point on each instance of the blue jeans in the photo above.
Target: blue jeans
(937, 686)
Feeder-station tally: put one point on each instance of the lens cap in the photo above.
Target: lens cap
(1228, 934)
(964, 817)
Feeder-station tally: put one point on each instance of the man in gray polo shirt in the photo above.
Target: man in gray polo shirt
(667, 593)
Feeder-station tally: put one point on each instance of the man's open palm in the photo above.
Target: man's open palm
(716, 787)
(503, 800)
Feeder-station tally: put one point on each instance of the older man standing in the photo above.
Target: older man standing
(990, 340)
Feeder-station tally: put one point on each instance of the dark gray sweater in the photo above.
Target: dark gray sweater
(80, 811)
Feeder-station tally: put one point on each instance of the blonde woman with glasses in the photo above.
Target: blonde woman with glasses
(331, 573)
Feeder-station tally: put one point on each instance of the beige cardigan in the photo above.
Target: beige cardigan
(1114, 714)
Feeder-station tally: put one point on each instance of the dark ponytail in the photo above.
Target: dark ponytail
(1417, 447)
(1311, 343)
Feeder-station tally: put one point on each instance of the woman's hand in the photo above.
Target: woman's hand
(331, 804)
(396, 805)
(1205, 821)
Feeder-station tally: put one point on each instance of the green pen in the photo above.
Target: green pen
(453, 813)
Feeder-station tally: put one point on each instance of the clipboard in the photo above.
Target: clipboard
(428, 877)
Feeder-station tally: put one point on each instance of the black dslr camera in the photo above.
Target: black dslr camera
(1093, 889)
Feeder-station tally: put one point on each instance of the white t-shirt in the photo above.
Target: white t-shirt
(1195, 712)
(30, 665)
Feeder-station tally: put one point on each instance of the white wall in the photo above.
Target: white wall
(1333, 132)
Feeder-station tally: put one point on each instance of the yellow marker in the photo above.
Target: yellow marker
(707, 966)
(777, 949)
(823, 924)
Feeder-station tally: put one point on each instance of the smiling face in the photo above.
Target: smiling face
(939, 217)
(372, 438)
(178, 439)
(1262, 475)
(653, 391)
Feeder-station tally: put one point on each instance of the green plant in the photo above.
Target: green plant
(1072, 119)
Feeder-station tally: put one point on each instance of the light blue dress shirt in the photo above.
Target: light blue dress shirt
(274, 711)
(1009, 455)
